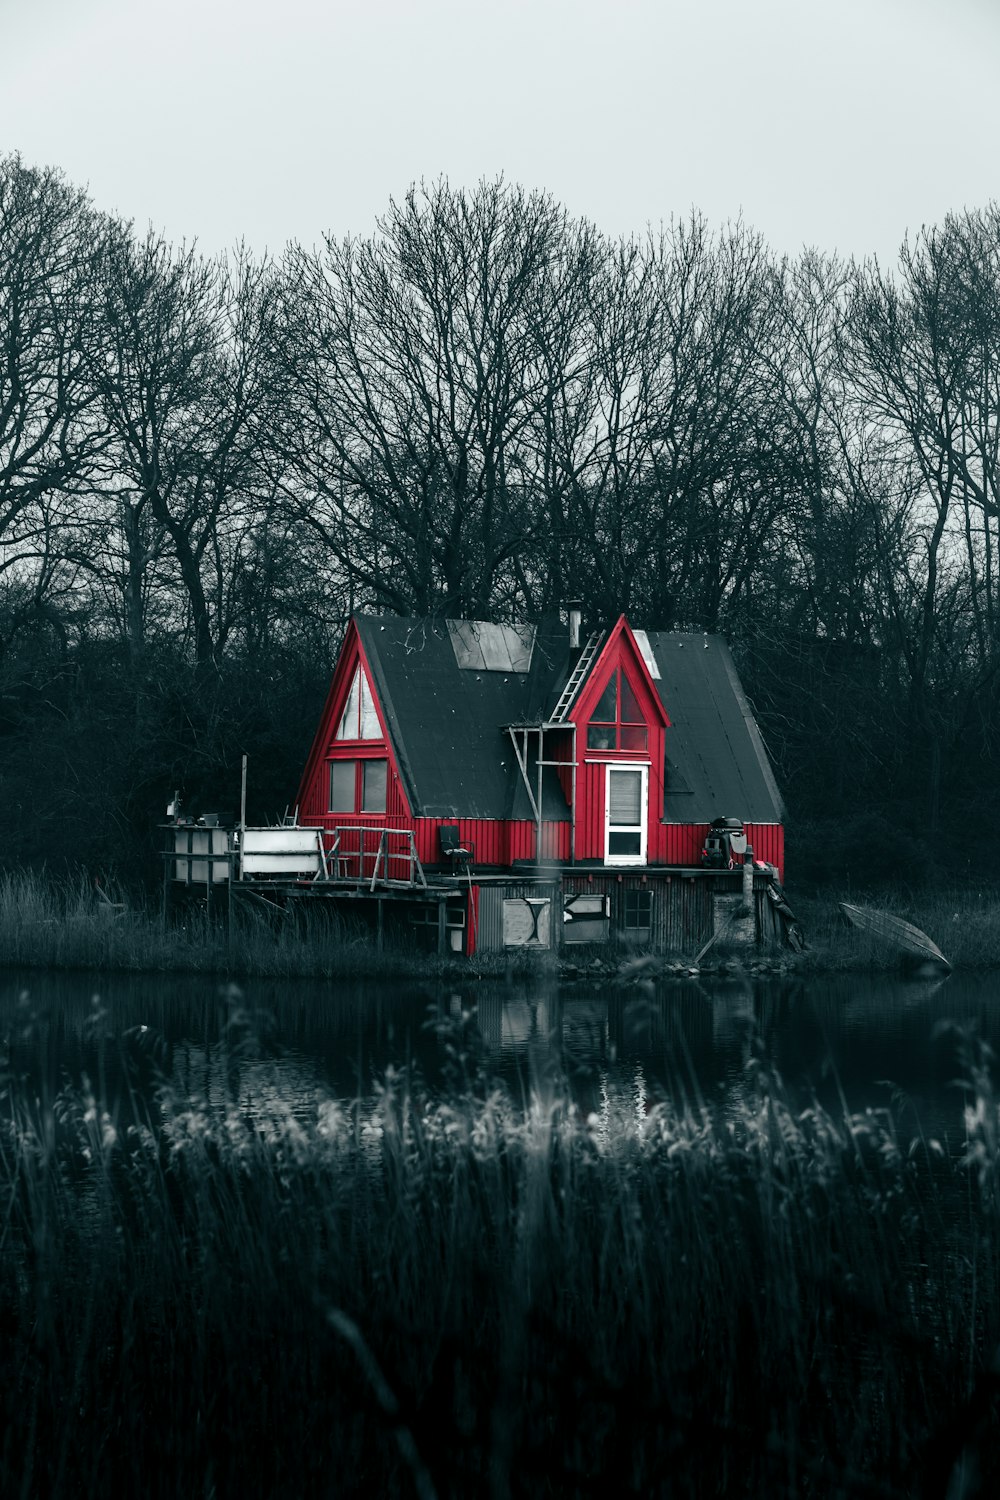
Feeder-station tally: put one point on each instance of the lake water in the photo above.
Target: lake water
(869, 1041)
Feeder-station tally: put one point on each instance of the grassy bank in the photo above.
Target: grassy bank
(63, 923)
(56, 923)
(964, 923)
(470, 1297)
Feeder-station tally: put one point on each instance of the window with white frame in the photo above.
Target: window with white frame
(626, 794)
(359, 721)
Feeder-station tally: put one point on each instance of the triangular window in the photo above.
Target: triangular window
(617, 722)
(629, 713)
(359, 720)
(606, 711)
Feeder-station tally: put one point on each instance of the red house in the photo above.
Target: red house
(501, 759)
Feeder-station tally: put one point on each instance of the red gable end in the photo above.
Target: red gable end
(352, 774)
(620, 724)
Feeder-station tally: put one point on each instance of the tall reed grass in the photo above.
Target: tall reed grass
(965, 924)
(52, 922)
(475, 1295)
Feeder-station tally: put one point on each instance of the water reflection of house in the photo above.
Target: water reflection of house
(508, 786)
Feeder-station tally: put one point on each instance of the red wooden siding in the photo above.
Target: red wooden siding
(314, 794)
(495, 841)
(315, 810)
(669, 843)
(499, 844)
(621, 653)
(484, 835)
(591, 783)
(768, 840)
(681, 844)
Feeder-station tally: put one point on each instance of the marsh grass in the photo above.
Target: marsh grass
(60, 922)
(964, 923)
(54, 922)
(467, 1295)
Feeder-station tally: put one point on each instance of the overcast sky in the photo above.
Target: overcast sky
(836, 123)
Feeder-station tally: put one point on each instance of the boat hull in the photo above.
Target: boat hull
(895, 933)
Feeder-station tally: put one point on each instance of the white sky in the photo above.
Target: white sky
(836, 123)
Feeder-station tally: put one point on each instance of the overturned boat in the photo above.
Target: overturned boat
(912, 944)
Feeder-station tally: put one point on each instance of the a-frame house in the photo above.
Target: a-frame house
(506, 759)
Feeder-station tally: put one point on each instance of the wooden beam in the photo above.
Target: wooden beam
(243, 812)
(264, 901)
(522, 765)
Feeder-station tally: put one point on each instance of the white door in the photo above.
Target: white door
(626, 793)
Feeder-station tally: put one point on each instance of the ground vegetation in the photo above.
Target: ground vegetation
(451, 1290)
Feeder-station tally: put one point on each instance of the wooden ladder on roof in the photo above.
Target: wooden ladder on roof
(583, 665)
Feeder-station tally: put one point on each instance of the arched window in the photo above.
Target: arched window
(617, 722)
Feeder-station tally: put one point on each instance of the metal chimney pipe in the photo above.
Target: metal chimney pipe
(575, 617)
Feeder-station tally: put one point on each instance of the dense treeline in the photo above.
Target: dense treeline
(485, 407)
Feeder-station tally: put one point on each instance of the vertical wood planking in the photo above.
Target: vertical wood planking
(681, 915)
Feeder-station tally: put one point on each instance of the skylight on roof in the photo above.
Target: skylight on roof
(646, 652)
(480, 646)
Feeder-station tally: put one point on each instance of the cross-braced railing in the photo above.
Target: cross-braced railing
(381, 856)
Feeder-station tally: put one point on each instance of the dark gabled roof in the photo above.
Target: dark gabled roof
(716, 762)
(447, 721)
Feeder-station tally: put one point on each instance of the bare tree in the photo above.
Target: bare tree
(682, 483)
(51, 432)
(182, 378)
(418, 363)
(925, 366)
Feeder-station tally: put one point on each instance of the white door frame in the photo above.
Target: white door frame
(609, 828)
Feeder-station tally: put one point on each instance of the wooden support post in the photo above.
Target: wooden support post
(243, 814)
(572, 804)
(379, 922)
(748, 901)
(442, 926)
(538, 810)
(748, 875)
(167, 872)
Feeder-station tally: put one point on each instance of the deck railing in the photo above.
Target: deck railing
(380, 856)
(358, 853)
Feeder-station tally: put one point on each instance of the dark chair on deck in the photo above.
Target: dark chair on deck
(455, 851)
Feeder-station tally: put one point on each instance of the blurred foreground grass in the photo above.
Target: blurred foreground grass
(466, 1295)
